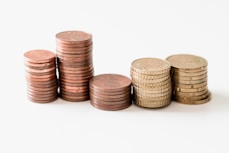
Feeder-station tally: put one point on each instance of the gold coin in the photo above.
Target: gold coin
(187, 78)
(161, 98)
(187, 62)
(188, 94)
(190, 82)
(151, 85)
(152, 95)
(149, 76)
(190, 86)
(152, 90)
(189, 74)
(153, 104)
(150, 66)
(193, 98)
(166, 86)
(190, 89)
(139, 80)
(190, 101)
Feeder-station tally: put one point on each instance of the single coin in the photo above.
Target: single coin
(188, 74)
(186, 78)
(190, 82)
(123, 91)
(189, 94)
(152, 104)
(192, 98)
(150, 66)
(39, 56)
(52, 99)
(74, 99)
(110, 97)
(110, 108)
(149, 76)
(187, 61)
(190, 86)
(189, 89)
(72, 37)
(190, 101)
(151, 85)
(110, 82)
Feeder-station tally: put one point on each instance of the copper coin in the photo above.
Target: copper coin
(110, 97)
(75, 99)
(74, 47)
(39, 56)
(40, 66)
(124, 91)
(73, 37)
(109, 108)
(29, 70)
(110, 82)
(51, 99)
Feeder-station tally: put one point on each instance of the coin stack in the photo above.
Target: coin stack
(151, 82)
(110, 92)
(74, 52)
(189, 79)
(40, 66)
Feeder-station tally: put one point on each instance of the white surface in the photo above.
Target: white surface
(122, 31)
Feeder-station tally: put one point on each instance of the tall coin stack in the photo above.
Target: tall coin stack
(151, 82)
(75, 66)
(189, 79)
(110, 92)
(41, 76)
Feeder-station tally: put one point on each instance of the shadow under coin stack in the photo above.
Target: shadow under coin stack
(74, 52)
(110, 92)
(189, 79)
(151, 82)
(41, 76)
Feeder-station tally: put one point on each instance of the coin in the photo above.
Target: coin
(40, 74)
(189, 100)
(187, 62)
(75, 64)
(110, 91)
(150, 66)
(151, 82)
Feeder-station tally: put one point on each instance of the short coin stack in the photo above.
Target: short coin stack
(151, 82)
(189, 79)
(74, 52)
(110, 92)
(41, 76)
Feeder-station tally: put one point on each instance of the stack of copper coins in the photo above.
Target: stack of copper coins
(41, 76)
(189, 79)
(74, 52)
(151, 82)
(110, 92)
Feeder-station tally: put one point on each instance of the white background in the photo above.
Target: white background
(122, 31)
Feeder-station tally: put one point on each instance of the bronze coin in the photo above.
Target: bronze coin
(74, 47)
(108, 102)
(74, 99)
(47, 100)
(39, 56)
(29, 70)
(73, 37)
(110, 82)
(110, 97)
(124, 91)
(110, 108)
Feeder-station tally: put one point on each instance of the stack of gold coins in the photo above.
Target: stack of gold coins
(151, 82)
(74, 52)
(189, 79)
(41, 76)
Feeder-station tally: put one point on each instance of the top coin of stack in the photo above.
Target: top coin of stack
(41, 76)
(74, 52)
(110, 92)
(151, 81)
(189, 79)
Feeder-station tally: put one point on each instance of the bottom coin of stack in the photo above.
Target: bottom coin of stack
(151, 82)
(110, 92)
(189, 79)
(41, 76)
